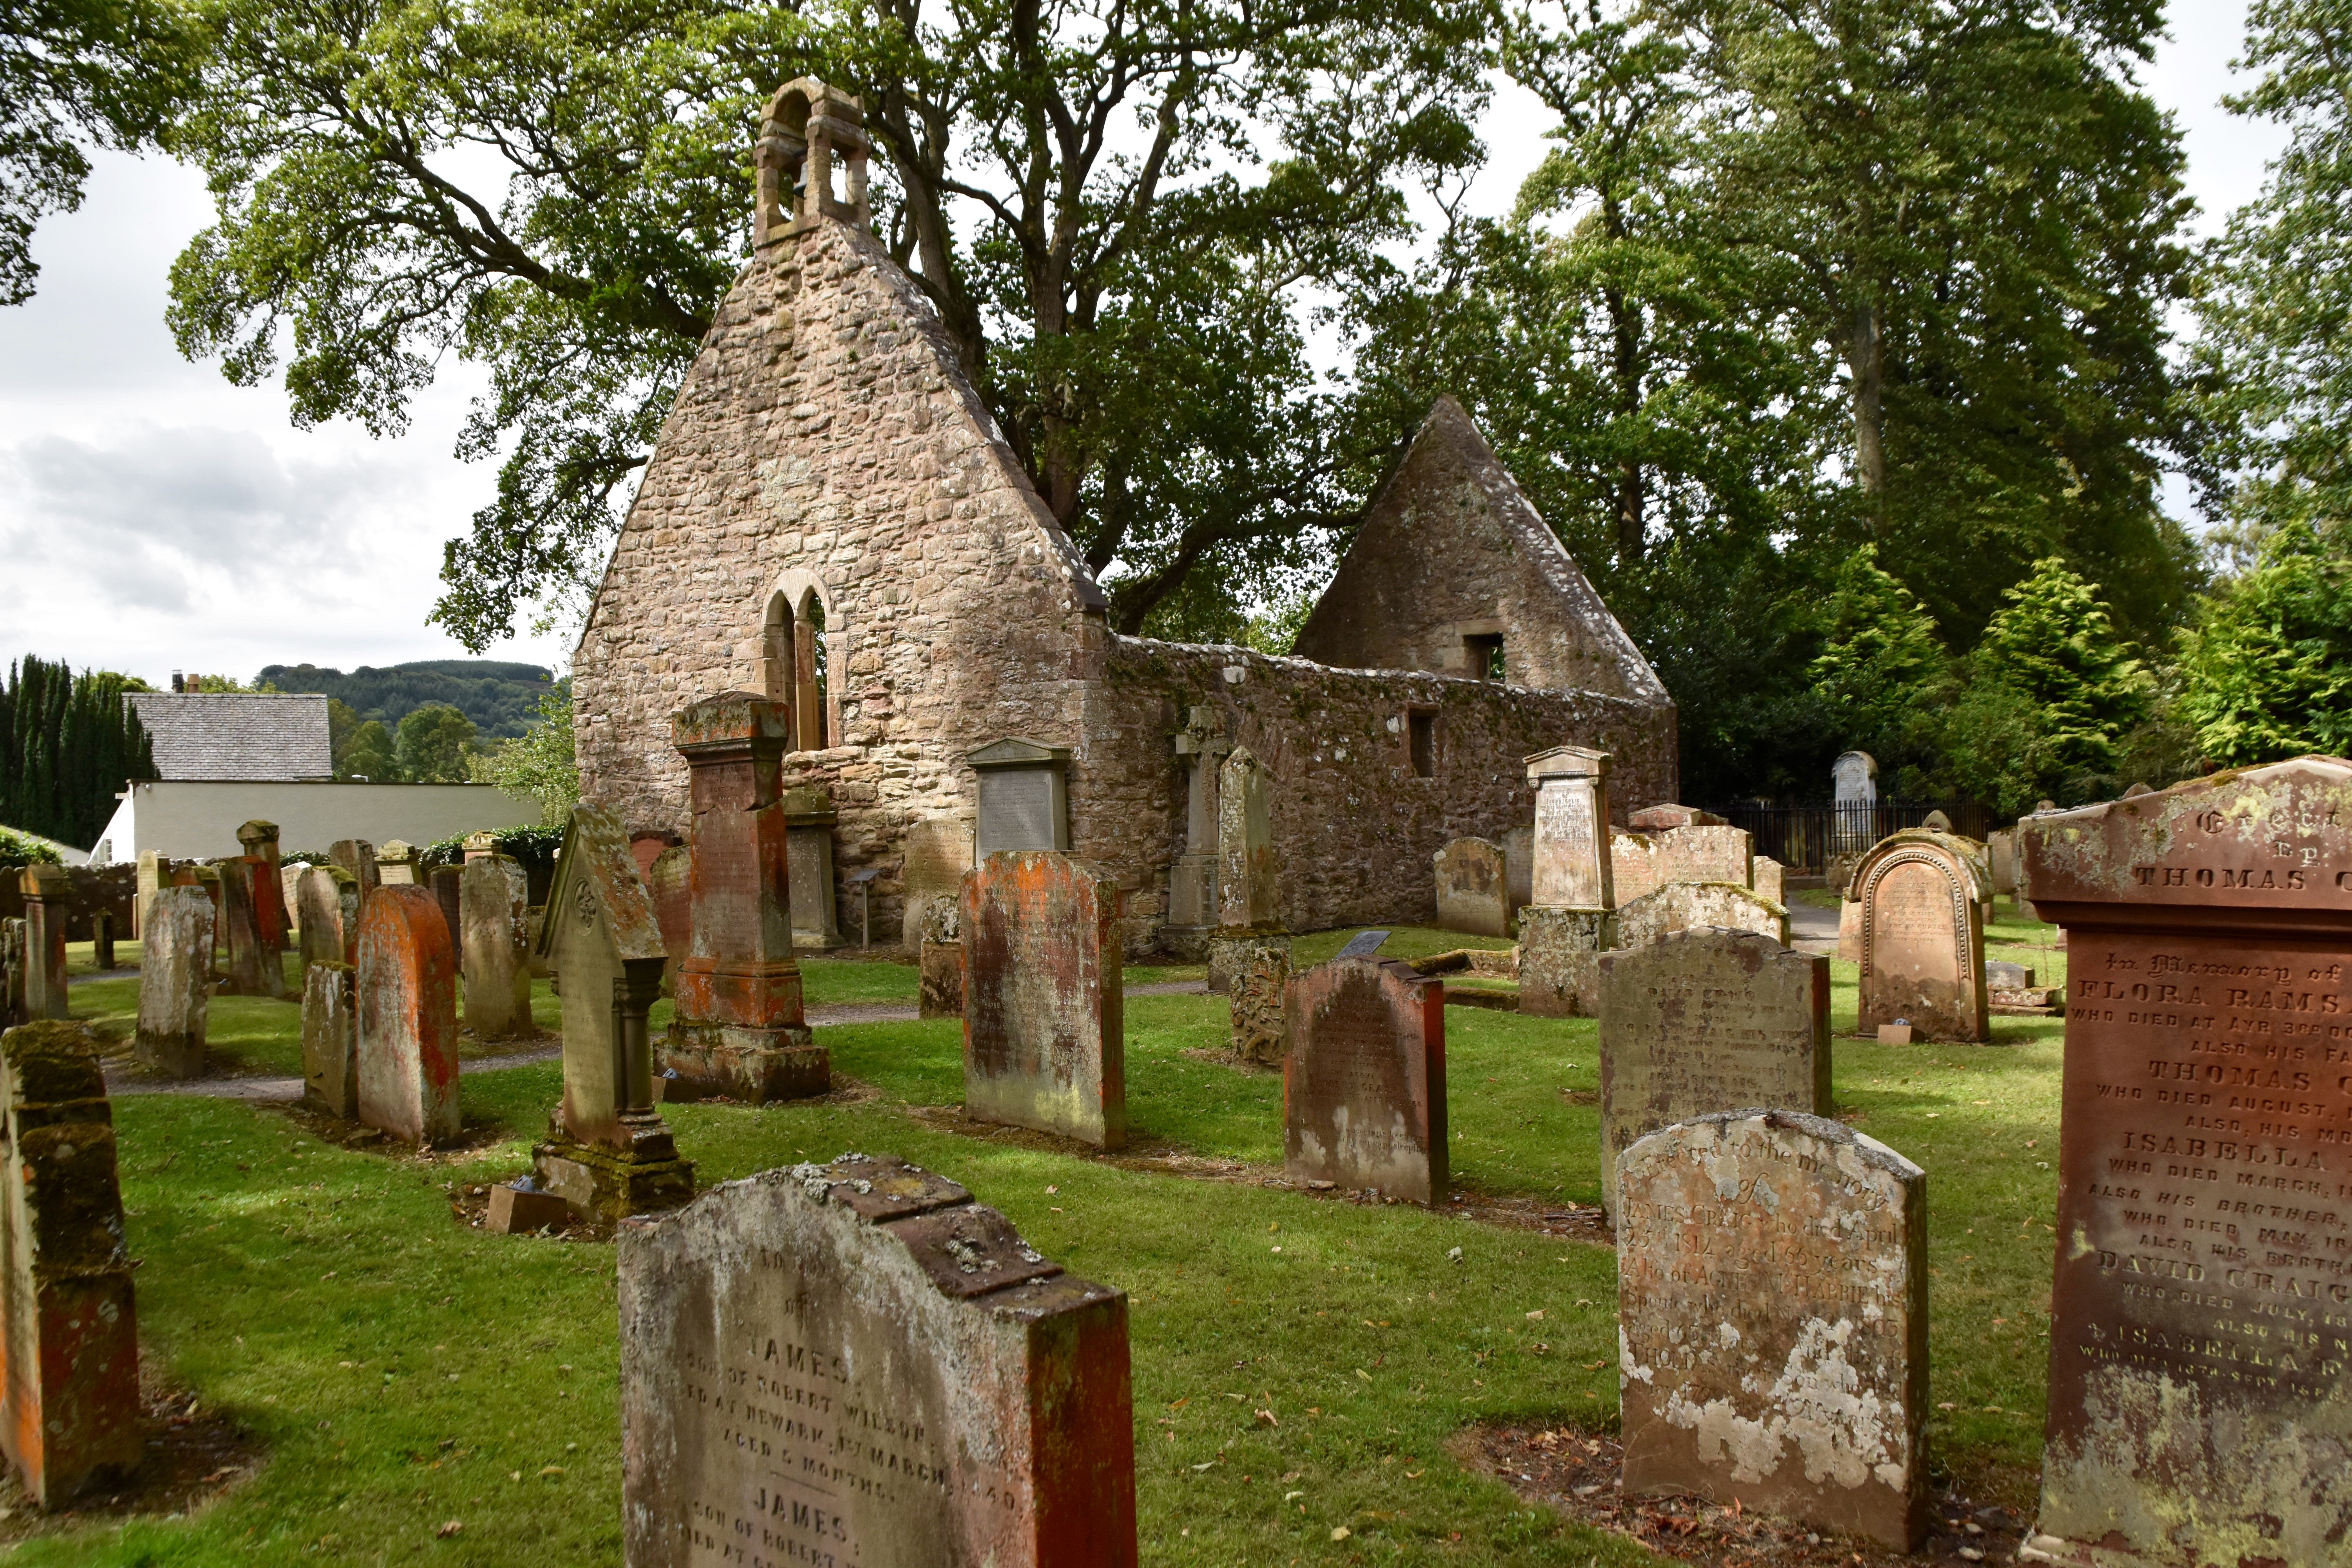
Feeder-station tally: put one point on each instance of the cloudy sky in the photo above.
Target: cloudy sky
(156, 518)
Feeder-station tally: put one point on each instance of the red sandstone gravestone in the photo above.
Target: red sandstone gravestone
(854, 1363)
(259, 841)
(1363, 1078)
(1045, 1038)
(70, 1407)
(2201, 1326)
(254, 968)
(1772, 1320)
(737, 1028)
(407, 1004)
(1921, 919)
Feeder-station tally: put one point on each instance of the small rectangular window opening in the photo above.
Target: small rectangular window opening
(1483, 656)
(1421, 734)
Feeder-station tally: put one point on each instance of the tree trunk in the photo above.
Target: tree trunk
(1633, 525)
(1865, 359)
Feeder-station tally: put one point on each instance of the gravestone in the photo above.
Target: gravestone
(175, 982)
(937, 853)
(102, 940)
(289, 898)
(808, 820)
(1921, 921)
(356, 856)
(1045, 1041)
(1633, 865)
(70, 1406)
(1770, 881)
(406, 999)
(1703, 852)
(738, 1029)
(1662, 817)
(1772, 1321)
(940, 975)
(330, 1041)
(48, 909)
(1363, 1078)
(1202, 747)
(253, 967)
(2202, 1309)
(492, 901)
(448, 885)
(855, 1363)
(670, 883)
(1519, 865)
(1937, 822)
(1685, 906)
(1568, 924)
(2001, 847)
(1474, 888)
(1025, 796)
(1707, 1020)
(397, 864)
(1249, 882)
(328, 907)
(1258, 1002)
(608, 1151)
(1853, 797)
(258, 839)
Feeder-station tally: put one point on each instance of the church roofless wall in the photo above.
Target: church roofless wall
(825, 450)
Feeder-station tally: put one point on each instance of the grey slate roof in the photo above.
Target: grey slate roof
(221, 736)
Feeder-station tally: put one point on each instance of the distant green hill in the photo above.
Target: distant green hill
(501, 698)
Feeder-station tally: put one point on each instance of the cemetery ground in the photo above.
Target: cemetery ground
(1316, 1377)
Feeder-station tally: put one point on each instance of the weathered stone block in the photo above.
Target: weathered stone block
(1707, 1020)
(493, 895)
(70, 1406)
(48, 909)
(941, 982)
(1697, 906)
(175, 982)
(1045, 1041)
(516, 1209)
(448, 885)
(855, 1363)
(1363, 1078)
(1772, 1320)
(407, 1002)
(1474, 892)
(938, 853)
(1227, 954)
(1771, 881)
(1921, 916)
(1559, 960)
(1249, 873)
(330, 1040)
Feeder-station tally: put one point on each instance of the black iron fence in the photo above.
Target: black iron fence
(1804, 838)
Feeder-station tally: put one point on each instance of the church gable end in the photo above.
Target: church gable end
(1454, 570)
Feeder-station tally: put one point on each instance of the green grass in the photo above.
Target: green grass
(271, 1260)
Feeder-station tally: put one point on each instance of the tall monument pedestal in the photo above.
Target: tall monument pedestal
(612, 1184)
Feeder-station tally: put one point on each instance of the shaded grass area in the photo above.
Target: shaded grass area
(476, 1363)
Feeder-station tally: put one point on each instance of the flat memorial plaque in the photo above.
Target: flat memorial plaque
(1016, 810)
(1363, 944)
(2200, 1405)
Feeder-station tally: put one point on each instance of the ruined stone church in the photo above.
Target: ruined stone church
(832, 516)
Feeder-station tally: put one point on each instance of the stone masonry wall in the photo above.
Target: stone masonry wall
(826, 439)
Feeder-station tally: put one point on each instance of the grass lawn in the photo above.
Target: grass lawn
(405, 1370)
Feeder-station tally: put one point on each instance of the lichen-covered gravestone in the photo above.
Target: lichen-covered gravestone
(854, 1363)
(492, 896)
(1564, 930)
(356, 856)
(331, 1077)
(1363, 1078)
(609, 1154)
(254, 969)
(1257, 1002)
(1045, 1036)
(1249, 871)
(258, 839)
(327, 904)
(70, 1407)
(1772, 1320)
(1474, 892)
(1921, 919)
(940, 972)
(2200, 1406)
(1703, 1021)
(1689, 906)
(175, 982)
(407, 997)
